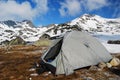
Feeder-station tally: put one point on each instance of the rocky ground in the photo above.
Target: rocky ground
(16, 63)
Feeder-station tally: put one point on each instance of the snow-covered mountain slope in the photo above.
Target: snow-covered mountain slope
(102, 28)
(105, 37)
(28, 32)
(25, 29)
(89, 23)
(95, 23)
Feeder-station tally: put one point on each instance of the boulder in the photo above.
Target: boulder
(115, 62)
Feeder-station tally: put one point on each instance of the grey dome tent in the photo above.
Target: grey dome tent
(75, 50)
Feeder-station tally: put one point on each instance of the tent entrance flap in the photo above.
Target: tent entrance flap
(53, 52)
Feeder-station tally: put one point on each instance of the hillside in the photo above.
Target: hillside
(27, 31)
(17, 63)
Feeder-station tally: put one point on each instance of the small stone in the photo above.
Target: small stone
(47, 73)
(101, 65)
(99, 69)
(30, 78)
(109, 65)
(94, 68)
(115, 62)
(106, 74)
(34, 74)
(32, 69)
(89, 78)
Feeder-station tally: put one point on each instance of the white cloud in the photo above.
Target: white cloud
(74, 7)
(70, 7)
(96, 4)
(15, 11)
(41, 6)
(116, 7)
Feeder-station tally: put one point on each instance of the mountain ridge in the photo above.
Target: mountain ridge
(27, 31)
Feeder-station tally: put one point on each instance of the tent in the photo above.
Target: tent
(75, 50)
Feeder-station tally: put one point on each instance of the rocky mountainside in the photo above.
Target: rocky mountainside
(11, 29)
(89, 23)
(27, 31)
(96, 23)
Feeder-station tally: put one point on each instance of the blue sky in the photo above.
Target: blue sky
(44, 12)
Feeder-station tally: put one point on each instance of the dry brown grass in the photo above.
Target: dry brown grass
(15, 65)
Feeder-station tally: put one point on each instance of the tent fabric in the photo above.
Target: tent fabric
(76, 50)
(53, 52)
(49, 53)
